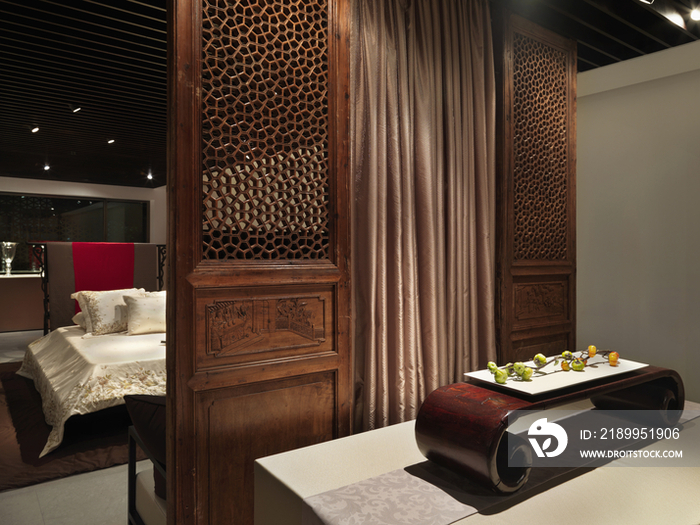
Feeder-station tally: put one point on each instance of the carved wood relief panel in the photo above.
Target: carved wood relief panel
(254, 325)
(541, 302)
(249, 325)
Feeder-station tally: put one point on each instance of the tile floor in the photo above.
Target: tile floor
(95, 498)
(13, 344)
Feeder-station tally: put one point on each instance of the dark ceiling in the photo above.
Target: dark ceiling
(108, 58)
(610, 31)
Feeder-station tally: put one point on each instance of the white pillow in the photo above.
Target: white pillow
(105, 312)
(78, 296)
(79, 319)
(146, 313)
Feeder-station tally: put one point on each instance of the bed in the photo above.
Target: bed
(69, 267)
(107, 329)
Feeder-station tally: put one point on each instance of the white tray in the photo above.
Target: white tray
(555, 378)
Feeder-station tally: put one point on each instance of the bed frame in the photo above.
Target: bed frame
(55, 260)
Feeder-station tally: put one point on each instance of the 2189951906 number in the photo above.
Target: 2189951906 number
(639, 433)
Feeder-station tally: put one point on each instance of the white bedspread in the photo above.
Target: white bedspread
(79, 374)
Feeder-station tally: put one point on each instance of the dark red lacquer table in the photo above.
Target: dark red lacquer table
(463, 426)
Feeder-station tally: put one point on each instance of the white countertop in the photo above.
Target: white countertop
(612, 494)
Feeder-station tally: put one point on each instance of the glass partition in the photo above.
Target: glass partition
(39, 218)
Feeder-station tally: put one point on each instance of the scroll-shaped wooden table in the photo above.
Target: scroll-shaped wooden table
(463, 426)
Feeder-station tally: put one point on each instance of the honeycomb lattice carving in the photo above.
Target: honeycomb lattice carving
(265, 129)
(541, 137)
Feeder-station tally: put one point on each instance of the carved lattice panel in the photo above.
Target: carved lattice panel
(540, 141)
(265, 129)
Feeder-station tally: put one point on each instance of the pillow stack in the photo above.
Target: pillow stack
(146, 313)
(132, 310)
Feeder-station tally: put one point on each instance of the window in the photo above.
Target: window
(39, 218)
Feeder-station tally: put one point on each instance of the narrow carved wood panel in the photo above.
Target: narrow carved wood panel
(259, 287)
(536, 264)
(300, 410)
(541, 134)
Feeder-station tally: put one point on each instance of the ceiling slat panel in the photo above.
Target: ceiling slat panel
(109, 58)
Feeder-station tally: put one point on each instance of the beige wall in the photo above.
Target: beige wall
(638, 210)
(156, 197)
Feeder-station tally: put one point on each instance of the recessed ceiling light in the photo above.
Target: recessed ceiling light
(676, 19)
(47, 167)
(647, 1)
(34, 130)
(111, 141)
(695, 14)
(76, 110)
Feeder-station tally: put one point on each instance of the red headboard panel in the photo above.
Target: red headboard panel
(102, 266)
(73, 267)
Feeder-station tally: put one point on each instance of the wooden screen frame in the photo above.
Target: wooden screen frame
(190, 276)
(548, 330)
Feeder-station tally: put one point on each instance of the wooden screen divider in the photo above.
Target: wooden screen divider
(536, 188)
(258, 327)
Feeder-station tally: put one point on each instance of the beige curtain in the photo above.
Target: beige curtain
(423, 165)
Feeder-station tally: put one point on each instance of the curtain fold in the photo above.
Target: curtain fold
(423, 165)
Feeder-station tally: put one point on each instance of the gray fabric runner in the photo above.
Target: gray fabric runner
(394, 498)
